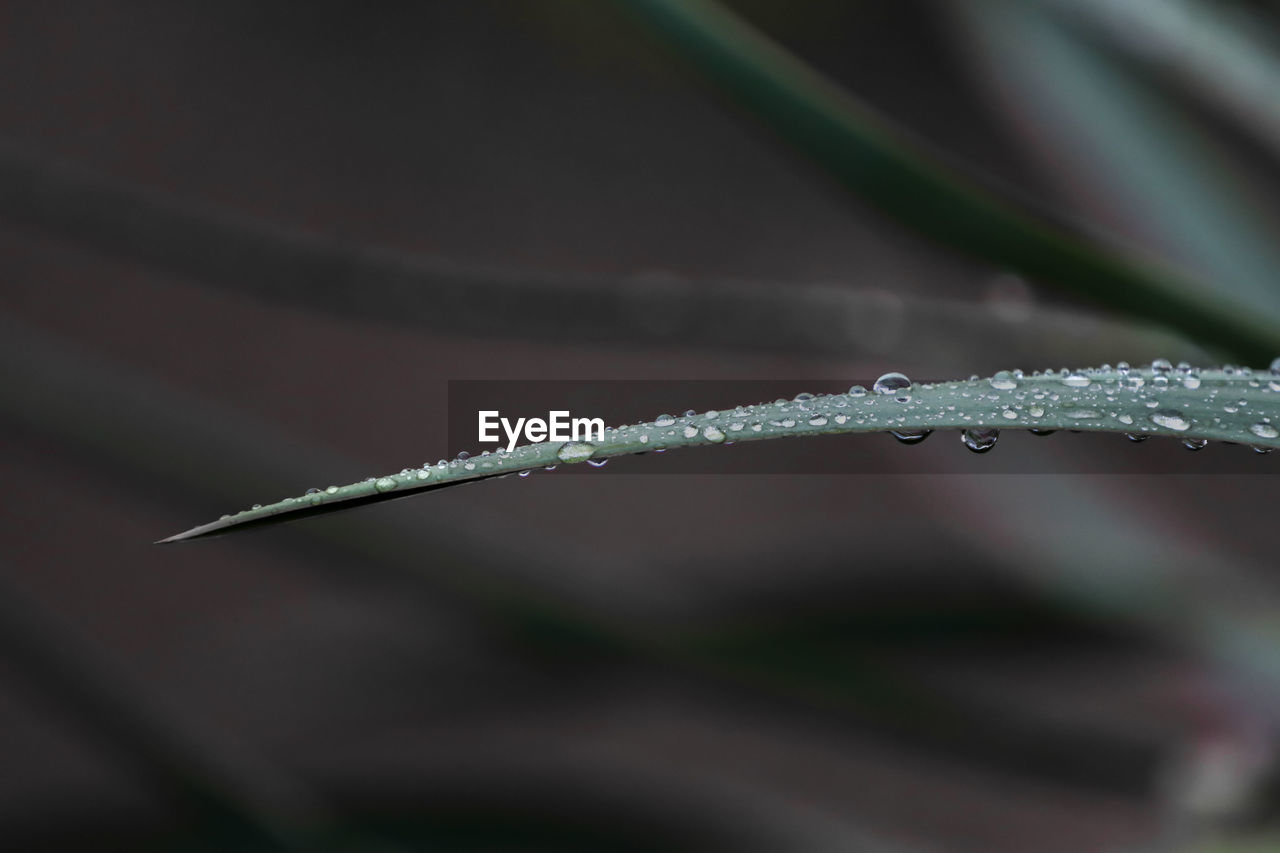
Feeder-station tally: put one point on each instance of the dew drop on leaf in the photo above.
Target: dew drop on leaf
(980, 439)
(575, 451)
(1194, 443)
(664, 421)
(1264, 430)
(1171, 419)
(713, 434)
(384, 484)
(895, 385)
(911, 436)
(1003, 381)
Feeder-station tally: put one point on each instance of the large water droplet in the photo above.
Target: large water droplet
(1076, 380)
(384, 484)
(818, 420)
(857, 391)
(1194, 443)
(894, 385)
(690, 431)
(664, 420)
(980, 439)
(575, 451)
(313, 491)
(713, 434)
(910, 436)
(1264, 430)
(1170, 419)
(1003, 381)
(331, 490)
(1161, 365)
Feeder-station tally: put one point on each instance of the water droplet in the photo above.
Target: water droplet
(1125, 419)
(1122, 367)
(256, 506)
(1076, 380)
(802, 397)
(1042, 431)
(1161, 365)
(313, 491)
(857, 391)
(1257, 449)
(1009, 415)
(644, 439)
(384, 484)
(895, 385)
(711, 415)
(1191, 381)
(575, 451)
(688, 413)
(423, 473)
(1036, 411)
(818, 420)
(1170, 419)
(1194, 443)
(1003, 381)
(980, 439)
(736, 426)
(664, 420)
(597, 463)
(524, 473)
(1083, 414)
(462, 454)
(911, 436)
(690, 431)
(713, 434)
(1275, 367)
(1264, 430)
(1136, 436)
(332, 490)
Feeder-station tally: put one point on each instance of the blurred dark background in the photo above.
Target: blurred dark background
(885, 660)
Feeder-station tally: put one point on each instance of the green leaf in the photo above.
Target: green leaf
(1221, 404)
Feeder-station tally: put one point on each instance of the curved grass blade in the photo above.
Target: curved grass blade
(869, 156)
(1122, 140)
(1230, 404)
(244, 255)
(1226, 54)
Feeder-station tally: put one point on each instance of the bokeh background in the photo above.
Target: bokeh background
(245, 246)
